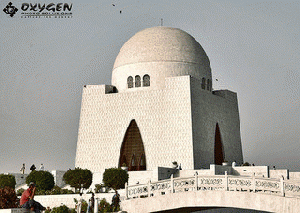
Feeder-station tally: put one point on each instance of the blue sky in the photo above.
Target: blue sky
(253, 48)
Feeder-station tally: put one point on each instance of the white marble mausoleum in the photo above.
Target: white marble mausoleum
(159, 108)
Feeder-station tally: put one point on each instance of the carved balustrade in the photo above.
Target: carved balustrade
(292, 188)
(268, 186)
(136, 191)
(217, 182)
(211, 183)
(184, 184)
(240, 184)
(160, 187)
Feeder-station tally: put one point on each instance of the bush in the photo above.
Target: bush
(72, 211)
(47, 210)
(115, 178)
(100, 188)
(8, 198)
(56, 190)
(41, 192)
(20, 192)
(84, 204)
(61, 209)
(104, 206)
(78, 178)
(7, 180)
(43, 180)
(246, 164)
(66, 191)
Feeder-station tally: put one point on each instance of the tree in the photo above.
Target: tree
(43, 180)
(78, 178)
(8, 198)
(7, 180)
(115, 178)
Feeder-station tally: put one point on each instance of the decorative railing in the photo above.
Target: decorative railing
(217, 182)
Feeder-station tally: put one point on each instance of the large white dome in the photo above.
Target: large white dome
(160, 52)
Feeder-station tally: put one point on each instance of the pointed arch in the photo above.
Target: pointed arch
(142, 162)
(219, 154)
(133, 164)
(132, 148)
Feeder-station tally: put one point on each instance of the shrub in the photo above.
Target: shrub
(41, 192)
(7, 180)
(48, 210)
(8, 198)
(72, 211)
(56, 190)
(84, 204)
(104, 206)
(100, 188)
(66, 191)
(20, 191)
(115, 178)
(61, 209)
(43, 180)
(78, 178)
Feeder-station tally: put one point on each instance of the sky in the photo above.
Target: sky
(253, 47)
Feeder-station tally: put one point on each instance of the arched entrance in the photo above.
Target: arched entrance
(132, 151)
(219, 150)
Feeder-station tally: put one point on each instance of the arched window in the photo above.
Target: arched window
(203, 83)
(146, 80)
(137, 81)
(132, 166)
(130, 82)
(142, 164)
(208, 84)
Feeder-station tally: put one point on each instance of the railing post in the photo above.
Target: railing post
(172, 184)
(96, 205)
(196, 181)
(226, 181)
(149, 188)
(253, 182)
(126, 190)
(282, 191)
(79, 205)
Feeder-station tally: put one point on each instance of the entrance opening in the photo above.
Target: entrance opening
(132, 151)
(142, 164)
(219, 151)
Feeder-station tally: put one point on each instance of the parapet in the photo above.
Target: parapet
(227, 94)
(103, 89)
